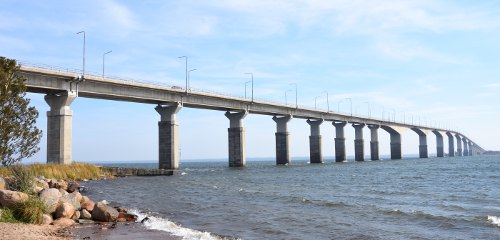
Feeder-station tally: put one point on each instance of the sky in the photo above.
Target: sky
(432, 62)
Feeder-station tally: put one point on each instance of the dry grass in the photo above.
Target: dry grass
(75, 171)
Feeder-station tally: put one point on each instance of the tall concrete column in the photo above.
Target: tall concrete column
(59, 127)
(459, 145)
(422, 137)
(374, 142)
(236, 139)
(359, 143)
(316, 155)
(466, 147)
(395, 142)
(439, 144)
(451, 144)
(470, 149)
(168, 136)
(340, 155)
(282, 140)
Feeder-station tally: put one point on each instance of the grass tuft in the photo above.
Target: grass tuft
(23, 179)
(7, 216)
(30, 211)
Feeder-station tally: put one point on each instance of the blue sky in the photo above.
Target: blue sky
(436, 61)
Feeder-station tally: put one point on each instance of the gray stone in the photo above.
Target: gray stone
(76, 216)
(10, 198)
(64, 210)
(84, 214)
(104, 213)
(88, 205)
(85, 221)
(51, 199)
(73, 199)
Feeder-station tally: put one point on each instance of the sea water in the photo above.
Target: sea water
(436, 198)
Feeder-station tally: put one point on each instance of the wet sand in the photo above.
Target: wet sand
(118, 232)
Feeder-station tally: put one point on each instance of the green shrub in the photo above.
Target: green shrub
(30, 211)
(23, 179)
(7, 215)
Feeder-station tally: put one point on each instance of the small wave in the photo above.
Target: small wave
(162, 224)
(494, 220)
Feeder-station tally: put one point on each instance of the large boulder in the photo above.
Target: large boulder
(59, 184)
(41, 183)
(73, 199)
(10, 198)
(51, 199)
(104, 213)
(3, 184)
(64, 210)
(73, 186)
(64, 222)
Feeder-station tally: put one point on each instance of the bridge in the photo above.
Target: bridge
(62, 86)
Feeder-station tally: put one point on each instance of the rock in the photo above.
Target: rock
(104, 213)
(73, 186)
(121, 220)
(89, 205)
(51, 199)
(122, 209)
(84, 199)
(64, 210)
(3, 184)
(76, 215)
(62, 191)
(64, 222)
(41, 183)
(78, 196)
(73, 199)
(47, 219)
(128, 217)
(10, 198)
(59, 184)
(84, 214)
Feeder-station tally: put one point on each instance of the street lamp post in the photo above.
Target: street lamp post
(189, 83)
(296, 103)
(316, 98)
(83, 70)
(252, 84)
(103, 57)
(186, 72)
(327, 101)
(246, 88)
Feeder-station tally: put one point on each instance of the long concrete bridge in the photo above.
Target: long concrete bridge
(61, 87)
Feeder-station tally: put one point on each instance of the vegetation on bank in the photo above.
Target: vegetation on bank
(75, 171)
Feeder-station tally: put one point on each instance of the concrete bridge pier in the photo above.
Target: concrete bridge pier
(470, 149)
(59, 127)
(282, 140)
(466, 146)
(359, 143)
(422, 136)
(459, 145)
(374, 142)
(395, 142)
(451, 144)
(340, 155)
(315, 152)
(168, 136)
(439, 144)
(236, 139)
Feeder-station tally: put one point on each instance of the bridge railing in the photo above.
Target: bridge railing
(203, 91)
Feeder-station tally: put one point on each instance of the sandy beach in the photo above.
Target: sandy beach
(19, 231)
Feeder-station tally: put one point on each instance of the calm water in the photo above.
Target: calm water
(448, 198)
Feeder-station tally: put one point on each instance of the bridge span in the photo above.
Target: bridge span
(61, 87)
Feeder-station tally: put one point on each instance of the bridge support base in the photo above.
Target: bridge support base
(340, 154)
(374, 155)
(315, 145)
(451, 144)
(59, 128)
(459, 145)
(236, 139)
(423, 153)
(359, 143)
(168, 136)
(282, 140)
